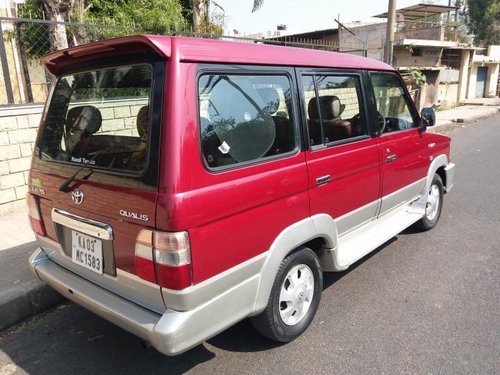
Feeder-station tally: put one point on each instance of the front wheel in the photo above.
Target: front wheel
(433, 206)
(294, 298)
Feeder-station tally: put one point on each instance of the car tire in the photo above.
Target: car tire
(433, 206)
(294, 299)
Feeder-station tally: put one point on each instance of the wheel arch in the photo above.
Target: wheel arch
(318, 233)
(438, 166)
(441, 172)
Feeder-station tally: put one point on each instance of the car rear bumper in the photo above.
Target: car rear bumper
(172, 332)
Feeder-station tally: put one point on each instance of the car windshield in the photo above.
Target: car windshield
(100, 119)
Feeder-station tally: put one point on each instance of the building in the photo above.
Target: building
(427, 37)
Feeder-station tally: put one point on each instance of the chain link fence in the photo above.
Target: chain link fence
(24, 80)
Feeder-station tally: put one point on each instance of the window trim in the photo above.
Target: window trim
(406, 97)
(150, 171)
(363, 100)
(127, 172)
(244, 70)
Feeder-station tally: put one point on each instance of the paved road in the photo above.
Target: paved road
(425, 303)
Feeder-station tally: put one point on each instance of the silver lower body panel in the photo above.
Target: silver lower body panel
(172, 332)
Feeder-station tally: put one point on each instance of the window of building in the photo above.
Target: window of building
(417, 52)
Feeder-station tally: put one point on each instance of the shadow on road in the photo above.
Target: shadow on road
(70, 339)
(330, 278)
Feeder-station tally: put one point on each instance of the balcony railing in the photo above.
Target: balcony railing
(427, 31)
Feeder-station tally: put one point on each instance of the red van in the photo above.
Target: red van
(180, 185)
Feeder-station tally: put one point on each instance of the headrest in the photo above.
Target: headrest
(143, 122)
(329, 105)
(84, 119)
(271, 99)
(312, 109)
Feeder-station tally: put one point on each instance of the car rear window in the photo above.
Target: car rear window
(100, 119)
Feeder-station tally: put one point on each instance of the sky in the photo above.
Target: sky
(302, 15)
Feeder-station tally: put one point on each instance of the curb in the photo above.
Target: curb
(461, 119)
(25, 300)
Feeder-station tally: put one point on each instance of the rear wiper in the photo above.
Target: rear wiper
(65, 185)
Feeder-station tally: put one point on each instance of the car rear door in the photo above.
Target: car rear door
(94, 176)
(343, 158)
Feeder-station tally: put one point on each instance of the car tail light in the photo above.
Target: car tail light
(34, 215)
(164, 258)
(144, 267)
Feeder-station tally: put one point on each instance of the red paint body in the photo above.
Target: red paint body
(233, 215)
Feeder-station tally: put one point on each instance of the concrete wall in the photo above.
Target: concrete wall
(492, 61)
(447, 94)
(494, 52)
(447, 85)
(18, 129)
(420, 31)
(430, 57)
(347, 96)
(492, 83)
(373, 35)
(119, 117)
(471, 87)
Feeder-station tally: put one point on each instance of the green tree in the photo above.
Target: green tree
(153, 16)
(55, 10)
(201, 19)
(257, 4)
(204, 17)
(150, 16)
(484, 21)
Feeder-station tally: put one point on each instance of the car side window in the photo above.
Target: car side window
(244, 118)
(393, 108)
(333, 108)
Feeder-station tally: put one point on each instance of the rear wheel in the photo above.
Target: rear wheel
(433, 206)
(294, 298)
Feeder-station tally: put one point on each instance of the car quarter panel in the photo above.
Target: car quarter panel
(231, 215)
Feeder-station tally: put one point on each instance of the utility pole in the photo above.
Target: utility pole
(389, 40)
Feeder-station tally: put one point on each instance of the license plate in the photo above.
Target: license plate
(86, 251)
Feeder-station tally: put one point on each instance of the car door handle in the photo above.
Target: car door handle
(323, 179)
(391, 158)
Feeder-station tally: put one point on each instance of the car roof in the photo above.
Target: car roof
(210, 51)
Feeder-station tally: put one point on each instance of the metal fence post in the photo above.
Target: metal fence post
(5, 68)
(24, 61)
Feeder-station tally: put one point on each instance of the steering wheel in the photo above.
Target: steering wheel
(382, 122)
(356, 124)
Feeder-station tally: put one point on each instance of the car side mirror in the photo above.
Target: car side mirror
(428, 117)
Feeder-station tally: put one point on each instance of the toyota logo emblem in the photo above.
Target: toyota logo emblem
(77, 196)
